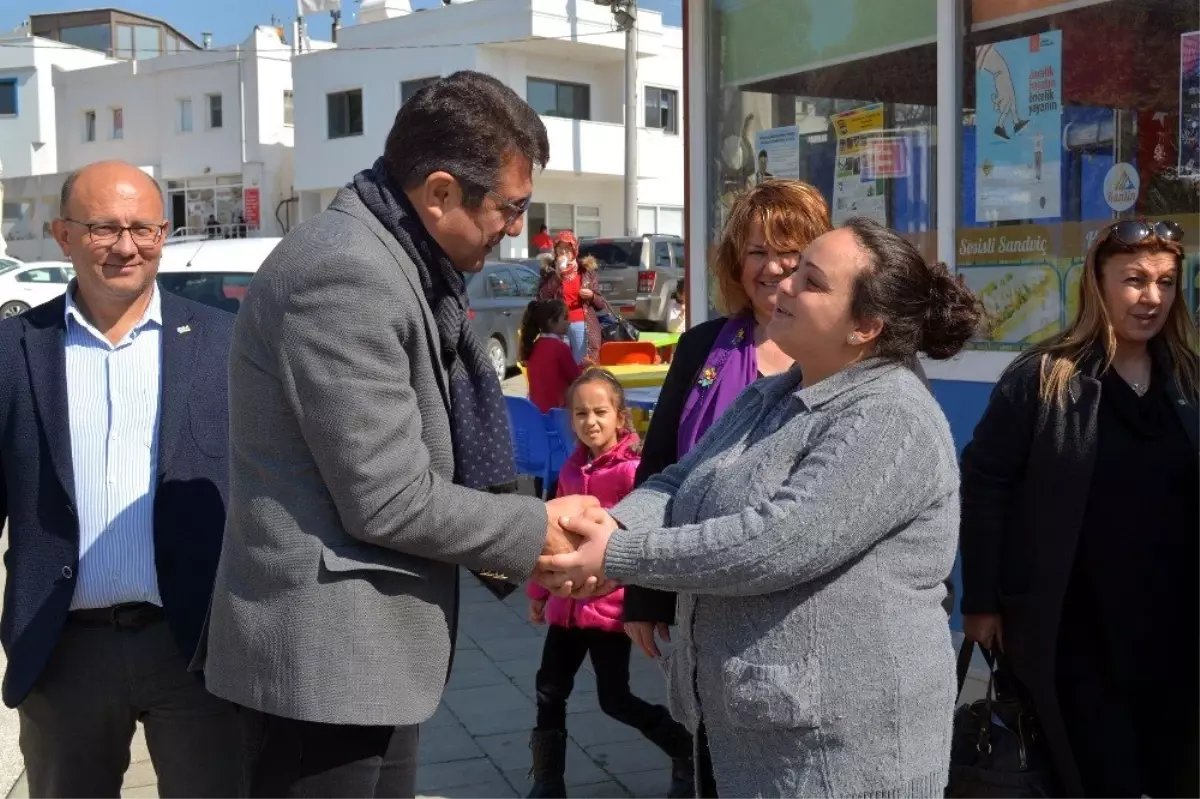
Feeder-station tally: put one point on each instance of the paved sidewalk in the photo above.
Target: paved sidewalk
(476, 745)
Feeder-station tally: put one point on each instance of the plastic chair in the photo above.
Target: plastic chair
(531, 440)
(562, 437)
(617, 353)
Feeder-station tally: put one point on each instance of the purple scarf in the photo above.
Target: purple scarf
(731, 366)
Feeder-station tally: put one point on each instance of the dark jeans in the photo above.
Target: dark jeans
(78, 722)
(292, 758)
(563, 654)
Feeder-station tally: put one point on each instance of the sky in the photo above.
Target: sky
(230, 21)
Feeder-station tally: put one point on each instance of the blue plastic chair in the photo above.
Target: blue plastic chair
(562, 437)
(531, 440)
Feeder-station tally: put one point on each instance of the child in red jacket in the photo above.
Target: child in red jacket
(603, 466)
(550, 369)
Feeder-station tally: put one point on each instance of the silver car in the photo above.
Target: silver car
(498, 295)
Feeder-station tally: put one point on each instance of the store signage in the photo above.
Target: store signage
(1121, 186)
(251, 202)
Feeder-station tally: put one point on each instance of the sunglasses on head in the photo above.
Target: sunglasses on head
(1132, 232)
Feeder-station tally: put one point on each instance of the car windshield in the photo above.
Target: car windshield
(613, 252)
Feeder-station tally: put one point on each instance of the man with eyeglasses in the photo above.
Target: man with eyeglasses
(113, 480)
(371, 452)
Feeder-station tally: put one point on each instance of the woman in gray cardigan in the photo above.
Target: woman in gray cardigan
(808, 535)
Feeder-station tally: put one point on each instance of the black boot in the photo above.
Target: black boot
(549, 764)
(673, 738)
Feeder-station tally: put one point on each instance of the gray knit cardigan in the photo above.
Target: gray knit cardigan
(808, 535)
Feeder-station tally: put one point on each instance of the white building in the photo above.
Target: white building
(563, 56)
(28, 121)
(214, 127)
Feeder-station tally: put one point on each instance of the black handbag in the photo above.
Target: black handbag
(997, 748)
(614, 327)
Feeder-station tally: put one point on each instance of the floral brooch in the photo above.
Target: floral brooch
(708, 376)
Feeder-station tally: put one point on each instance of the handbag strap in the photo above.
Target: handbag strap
(965, 653)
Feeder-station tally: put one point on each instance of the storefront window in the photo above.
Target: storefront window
(841, 95)
(1072, 119)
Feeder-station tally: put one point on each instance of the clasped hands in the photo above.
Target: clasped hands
(572, 561)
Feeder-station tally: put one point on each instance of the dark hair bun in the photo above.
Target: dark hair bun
(953, 316)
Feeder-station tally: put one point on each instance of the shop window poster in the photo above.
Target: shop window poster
(777, 154)
(1018, 128)
(856, 191)
(1189, 104)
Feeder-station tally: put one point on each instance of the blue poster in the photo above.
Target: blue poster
(1018, 129)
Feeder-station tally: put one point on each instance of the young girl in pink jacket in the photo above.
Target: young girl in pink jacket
(603, 466)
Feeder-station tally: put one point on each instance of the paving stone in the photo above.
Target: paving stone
(599, 790)
(437, 777)
(511, 754)
(485, 699)
(648, 784)
(493, 789)
(505, 630)
(593, 727)
(20, 789)
(515, 647)
(447, 744)
(629, 757)
(498, 721)
(145, 792)
(442, 717)
(470, 659)
(139, 775)
(477, 677)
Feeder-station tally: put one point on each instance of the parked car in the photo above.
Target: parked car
(215, 272)
(638, 274)
(28, 285)
(498, 294)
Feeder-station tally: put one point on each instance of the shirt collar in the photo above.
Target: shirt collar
(152, 314)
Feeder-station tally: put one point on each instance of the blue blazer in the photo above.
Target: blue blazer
(37, 492)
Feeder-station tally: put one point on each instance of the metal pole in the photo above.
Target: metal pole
(631, 112)
(950, 31)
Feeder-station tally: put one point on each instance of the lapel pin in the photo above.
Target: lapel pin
(183, 329)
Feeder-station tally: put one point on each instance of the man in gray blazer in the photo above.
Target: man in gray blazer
(371, 454)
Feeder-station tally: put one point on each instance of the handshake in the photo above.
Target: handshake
(572, 560)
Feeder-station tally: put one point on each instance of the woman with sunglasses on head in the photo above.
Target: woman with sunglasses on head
(1079, 525)
(567, 277)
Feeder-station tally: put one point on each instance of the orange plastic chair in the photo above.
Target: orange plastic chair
(618, 353)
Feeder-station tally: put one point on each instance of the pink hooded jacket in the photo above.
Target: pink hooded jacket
(609, 479)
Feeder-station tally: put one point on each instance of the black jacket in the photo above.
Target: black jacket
(1026, 475)
(37, 487)
(659, 449)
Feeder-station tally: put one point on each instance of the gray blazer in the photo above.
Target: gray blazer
(808, 534)
(336, 593)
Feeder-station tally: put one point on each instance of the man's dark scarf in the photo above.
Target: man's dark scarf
(479, 432)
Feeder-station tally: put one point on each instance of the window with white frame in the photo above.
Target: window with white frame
(664, 219)
(216, 113)
(118, 123)
(289, 108)
(587, 220)
(185, 115)
(410, 87)
(662, 109)
(554, 98)
(89, 125)
(344, 112)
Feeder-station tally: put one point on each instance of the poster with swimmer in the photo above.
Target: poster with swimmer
(1018, 128)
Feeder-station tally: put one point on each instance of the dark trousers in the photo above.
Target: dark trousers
(79, 720)
(291, 758)
(563, 654)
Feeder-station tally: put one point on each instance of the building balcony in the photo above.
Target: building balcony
(582, 147)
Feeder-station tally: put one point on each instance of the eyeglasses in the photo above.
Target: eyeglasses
(1132, 232)
(515, 210)
(105, 234)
